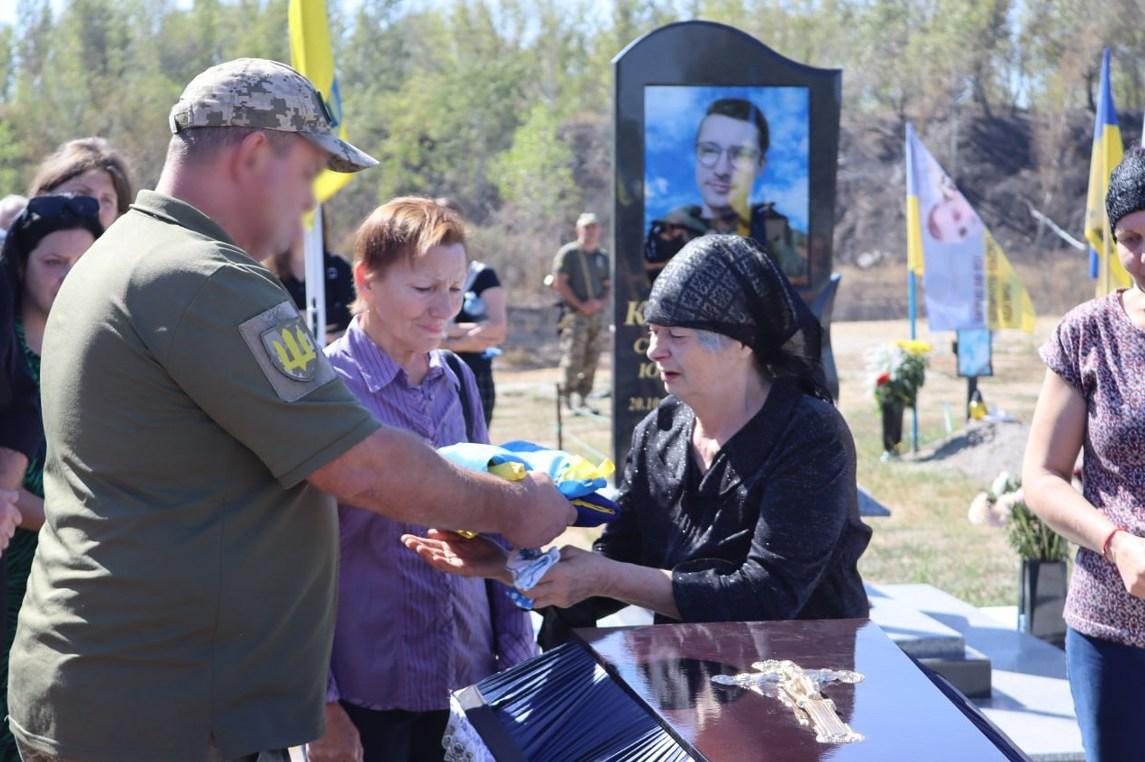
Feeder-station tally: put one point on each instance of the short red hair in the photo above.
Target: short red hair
(407, 226)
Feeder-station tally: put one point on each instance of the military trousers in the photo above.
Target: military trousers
(582, 337)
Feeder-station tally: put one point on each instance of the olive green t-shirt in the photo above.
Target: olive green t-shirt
(587, 270)
(184, 586)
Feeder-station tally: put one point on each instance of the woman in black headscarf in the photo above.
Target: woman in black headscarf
(738, 498)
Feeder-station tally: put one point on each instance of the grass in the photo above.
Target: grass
(927, 538)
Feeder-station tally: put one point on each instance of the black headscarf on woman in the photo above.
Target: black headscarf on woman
(1126, 193)
(729, 285)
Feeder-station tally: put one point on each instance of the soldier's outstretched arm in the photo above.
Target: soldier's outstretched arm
(263, 380)
(395, 474)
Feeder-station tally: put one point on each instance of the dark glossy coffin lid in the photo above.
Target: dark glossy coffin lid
(652, 698)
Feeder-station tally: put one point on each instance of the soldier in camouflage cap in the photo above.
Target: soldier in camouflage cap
(266, 95)
(199, 439)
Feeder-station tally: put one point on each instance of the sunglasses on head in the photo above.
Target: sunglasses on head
(45, 215)
(61, 206)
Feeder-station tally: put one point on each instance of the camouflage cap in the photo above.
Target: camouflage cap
(266, 95)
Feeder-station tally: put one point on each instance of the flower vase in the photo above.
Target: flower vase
(892, 425)
(1042, 592)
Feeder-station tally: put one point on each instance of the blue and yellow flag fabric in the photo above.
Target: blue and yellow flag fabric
(968, 280)
(311, 54)
(915, 262)
(574, 476)
(1107, 152)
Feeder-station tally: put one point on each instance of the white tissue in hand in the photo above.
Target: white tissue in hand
(528, 566)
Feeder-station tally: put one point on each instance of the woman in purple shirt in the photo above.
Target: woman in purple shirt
(1092, 400)
(406, 634)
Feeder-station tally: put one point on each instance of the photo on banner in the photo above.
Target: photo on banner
(727, 160)
(954, 240)
(967, 279)
(975, 353)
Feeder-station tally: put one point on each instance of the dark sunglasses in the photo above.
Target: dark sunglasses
(40, 207)
(45, 215)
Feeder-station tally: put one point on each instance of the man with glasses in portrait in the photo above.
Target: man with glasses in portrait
(730, 153)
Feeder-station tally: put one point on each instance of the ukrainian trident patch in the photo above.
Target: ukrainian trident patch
(286, 352)
(291, 350)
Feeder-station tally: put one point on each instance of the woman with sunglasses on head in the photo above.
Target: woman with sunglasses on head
(87, 167)
(41, 247)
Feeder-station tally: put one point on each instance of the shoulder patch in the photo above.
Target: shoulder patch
(285, 352)
(291, 350)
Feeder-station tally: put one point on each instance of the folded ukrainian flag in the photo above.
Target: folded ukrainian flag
(576, 478)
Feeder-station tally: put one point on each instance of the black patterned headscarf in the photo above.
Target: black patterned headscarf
(728, 284)
(1126, 193)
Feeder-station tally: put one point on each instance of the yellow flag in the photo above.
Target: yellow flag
(311, 54)
(1008, 303)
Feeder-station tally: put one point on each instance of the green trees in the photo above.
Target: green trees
(485, 100)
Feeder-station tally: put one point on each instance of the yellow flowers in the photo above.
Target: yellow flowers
(913, 346)
(898, 371)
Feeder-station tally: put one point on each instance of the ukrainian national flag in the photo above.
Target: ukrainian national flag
(1107, 152)
(310, 53)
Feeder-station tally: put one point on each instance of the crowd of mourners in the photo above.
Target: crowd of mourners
(223, 540)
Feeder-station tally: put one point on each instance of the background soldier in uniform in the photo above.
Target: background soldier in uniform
(181, 603)
(581, 277)
(731, 152)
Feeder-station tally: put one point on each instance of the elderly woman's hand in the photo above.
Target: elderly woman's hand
(454, 554)
(580, 574)
(1128, 552)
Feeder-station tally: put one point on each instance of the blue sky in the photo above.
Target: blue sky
(671, 116)
(8, 8)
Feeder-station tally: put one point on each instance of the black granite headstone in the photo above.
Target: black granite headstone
(713, 132)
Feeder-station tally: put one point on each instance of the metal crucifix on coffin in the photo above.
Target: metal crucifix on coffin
(799, 689)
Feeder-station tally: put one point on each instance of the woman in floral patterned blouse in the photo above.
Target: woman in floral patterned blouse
(1094, 398)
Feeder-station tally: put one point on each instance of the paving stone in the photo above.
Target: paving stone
(1030, 699)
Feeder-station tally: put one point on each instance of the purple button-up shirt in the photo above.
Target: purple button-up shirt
(406, 634)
